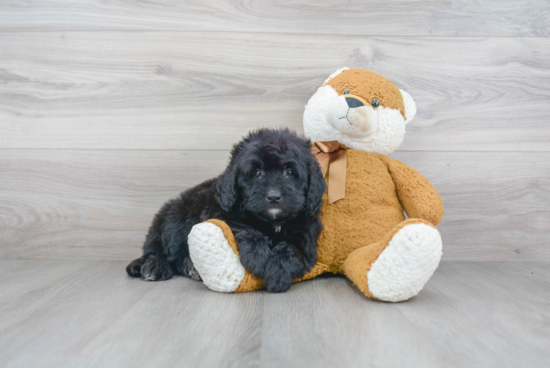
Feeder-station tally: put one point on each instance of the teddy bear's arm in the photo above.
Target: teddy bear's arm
(417, 195)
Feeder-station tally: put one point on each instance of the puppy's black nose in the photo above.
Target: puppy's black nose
(274, 195)
(353, 102)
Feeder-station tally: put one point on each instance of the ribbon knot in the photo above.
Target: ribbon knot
(334, 156)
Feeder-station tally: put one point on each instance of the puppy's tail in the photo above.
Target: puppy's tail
(134, 268)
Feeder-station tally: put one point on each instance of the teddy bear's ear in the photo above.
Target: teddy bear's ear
(410, 106)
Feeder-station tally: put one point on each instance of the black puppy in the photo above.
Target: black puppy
(270, 195)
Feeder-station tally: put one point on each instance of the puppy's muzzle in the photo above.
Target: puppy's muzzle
(273, 197)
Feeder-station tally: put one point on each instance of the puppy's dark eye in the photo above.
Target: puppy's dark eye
(375, 103)
(289, 173)
(346, 91)
(258, 173)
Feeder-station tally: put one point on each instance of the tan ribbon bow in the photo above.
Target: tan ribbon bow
(332, 154)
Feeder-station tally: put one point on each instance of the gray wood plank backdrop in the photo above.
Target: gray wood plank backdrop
(107, 109)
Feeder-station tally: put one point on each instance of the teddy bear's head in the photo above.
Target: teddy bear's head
(361, 109)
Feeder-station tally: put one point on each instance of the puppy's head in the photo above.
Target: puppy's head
(273, 176)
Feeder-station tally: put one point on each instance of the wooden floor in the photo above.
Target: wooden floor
(83, 313)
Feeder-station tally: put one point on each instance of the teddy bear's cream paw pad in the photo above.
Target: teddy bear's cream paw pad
(214, 259)
(406, 264)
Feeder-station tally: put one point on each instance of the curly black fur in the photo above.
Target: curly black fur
(270, 195)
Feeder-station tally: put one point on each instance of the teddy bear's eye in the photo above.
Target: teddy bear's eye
(346, 91)
(375, 103)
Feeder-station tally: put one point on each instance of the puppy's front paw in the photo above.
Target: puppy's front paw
(275, 280)
(283, 266)
(156, 269)
(254, 251)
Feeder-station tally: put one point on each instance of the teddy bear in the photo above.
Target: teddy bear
(356, 118)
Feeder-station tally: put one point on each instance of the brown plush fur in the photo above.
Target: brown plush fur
(359, 227)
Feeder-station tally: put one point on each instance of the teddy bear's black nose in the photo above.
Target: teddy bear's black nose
(353, 102)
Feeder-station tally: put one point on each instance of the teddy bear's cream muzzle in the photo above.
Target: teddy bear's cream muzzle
(352, 116)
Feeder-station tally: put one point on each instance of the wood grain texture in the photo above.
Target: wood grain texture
(355, 17)
(98, 204)
(103, 201)
(496, 203)
(143, 323)
(110, 108)
(466, 316)
(197, 90)
(465, 309)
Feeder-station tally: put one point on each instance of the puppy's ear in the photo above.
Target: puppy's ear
(315, 187)
(226, 186)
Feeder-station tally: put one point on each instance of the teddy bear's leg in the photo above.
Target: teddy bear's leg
(398, 266)
(214, 252)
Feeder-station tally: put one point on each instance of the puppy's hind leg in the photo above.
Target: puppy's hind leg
(156, 268)
(134, 268)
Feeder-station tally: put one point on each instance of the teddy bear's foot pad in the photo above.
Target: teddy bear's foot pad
(218, 265)
(406, 264)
